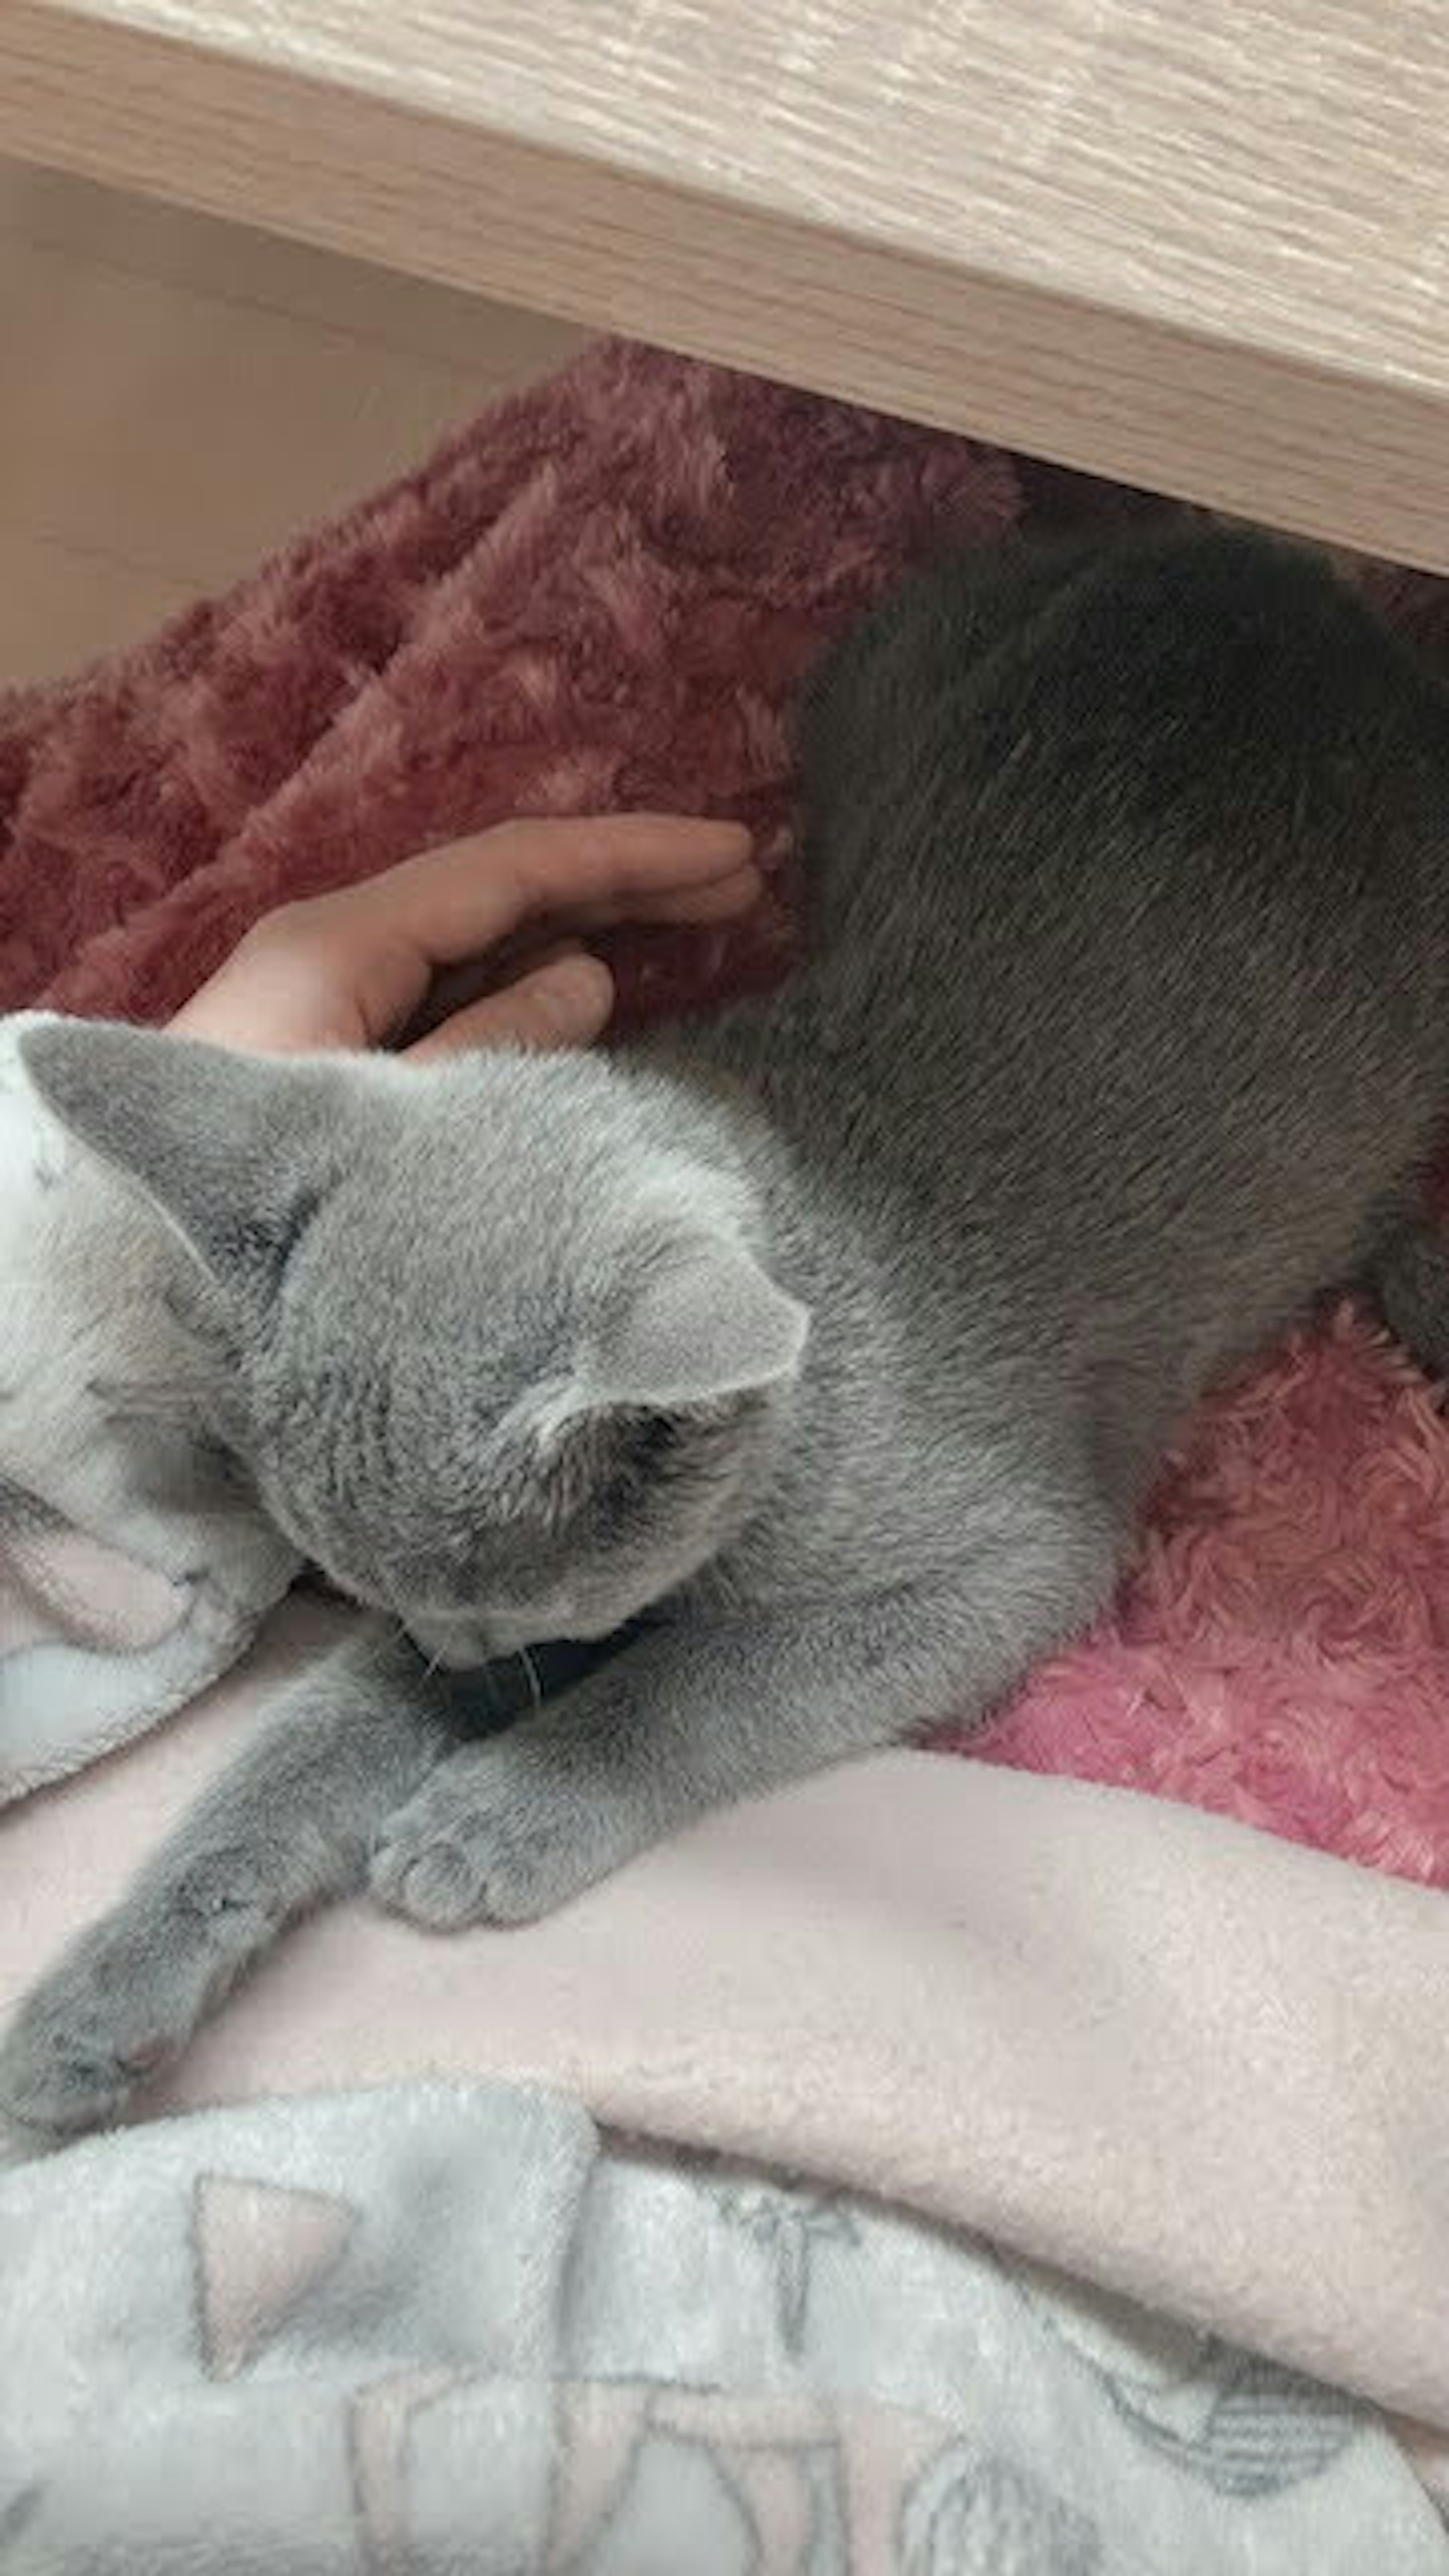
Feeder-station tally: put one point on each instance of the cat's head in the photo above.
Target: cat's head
(494, 1350)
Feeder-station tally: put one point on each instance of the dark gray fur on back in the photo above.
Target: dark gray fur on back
(836, 1340)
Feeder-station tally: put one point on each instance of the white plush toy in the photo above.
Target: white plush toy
(130, 1575)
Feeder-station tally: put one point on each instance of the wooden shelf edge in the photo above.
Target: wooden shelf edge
(1358, 459)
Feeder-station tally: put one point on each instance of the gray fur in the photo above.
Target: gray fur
(841, 1336)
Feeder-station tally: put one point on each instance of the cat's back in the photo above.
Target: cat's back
(1127, 872)
(1119, 820)
(1057, 734)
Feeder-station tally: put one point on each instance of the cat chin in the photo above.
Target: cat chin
(465, 1645)
(453, 1649)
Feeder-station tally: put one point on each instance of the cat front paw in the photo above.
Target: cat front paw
(77, 2048)
(503, 1832)
(124, 2000)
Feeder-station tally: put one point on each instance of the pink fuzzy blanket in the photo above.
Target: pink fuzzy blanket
(604, 594)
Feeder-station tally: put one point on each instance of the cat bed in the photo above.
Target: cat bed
(605, 593)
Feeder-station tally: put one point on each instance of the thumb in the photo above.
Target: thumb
(564, 1003)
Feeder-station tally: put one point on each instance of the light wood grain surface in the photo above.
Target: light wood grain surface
(1195, 243)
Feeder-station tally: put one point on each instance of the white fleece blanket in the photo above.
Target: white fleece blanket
(299, 2338)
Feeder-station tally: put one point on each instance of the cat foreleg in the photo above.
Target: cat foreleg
(288, 1826)
(687, 1720)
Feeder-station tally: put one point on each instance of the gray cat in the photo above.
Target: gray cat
(826, 1350)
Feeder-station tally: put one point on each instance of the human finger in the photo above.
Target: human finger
(454, 902)
(565, 1003)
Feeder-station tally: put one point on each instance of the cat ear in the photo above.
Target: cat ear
(227, 1147)
(706, 1324)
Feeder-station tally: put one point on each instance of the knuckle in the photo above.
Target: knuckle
(287, 925)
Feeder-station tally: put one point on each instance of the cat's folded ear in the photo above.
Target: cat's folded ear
(704, 1323)
(230, 1149)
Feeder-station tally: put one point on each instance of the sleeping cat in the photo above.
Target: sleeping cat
(825, 1350)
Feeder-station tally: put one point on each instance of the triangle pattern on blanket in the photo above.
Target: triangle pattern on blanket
(379, 2429)
(260, 2248)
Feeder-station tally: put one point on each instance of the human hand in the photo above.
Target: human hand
(509, 910)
